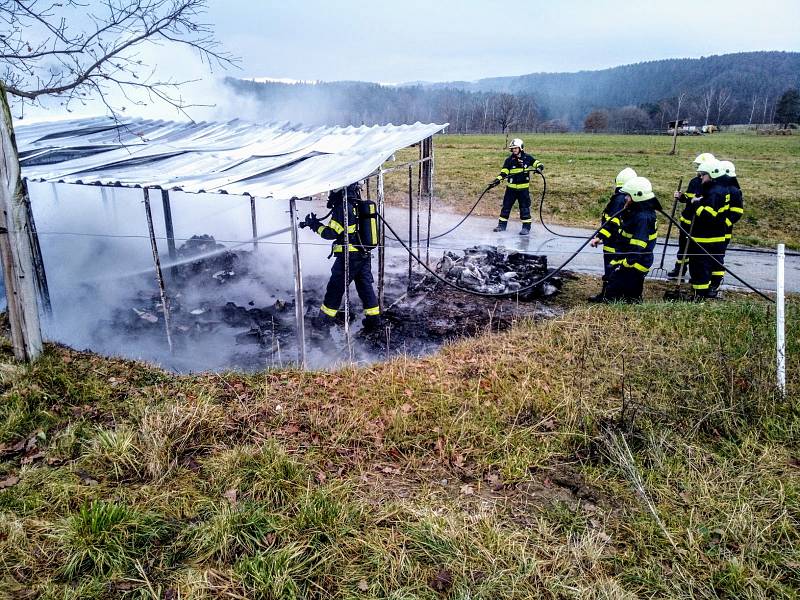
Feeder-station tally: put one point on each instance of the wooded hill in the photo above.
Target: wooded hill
(731, 88)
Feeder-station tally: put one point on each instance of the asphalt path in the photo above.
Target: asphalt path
(759, 270)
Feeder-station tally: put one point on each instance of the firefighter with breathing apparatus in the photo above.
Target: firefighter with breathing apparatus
(362, 227)
(517, 173)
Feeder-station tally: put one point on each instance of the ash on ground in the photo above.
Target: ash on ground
(496, 270)
(225, 313)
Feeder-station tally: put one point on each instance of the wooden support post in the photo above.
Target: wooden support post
(19, 271)
(170, 231)
(410, 222)
(346, 256)
(381, 241)
(38, 261)
(254, 222)
(299, 308)
(159, 275)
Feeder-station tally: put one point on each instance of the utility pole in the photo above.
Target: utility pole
(16, 252)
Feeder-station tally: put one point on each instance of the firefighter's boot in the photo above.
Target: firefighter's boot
(601, 297)
(678, 271)
(526, 229)
(321, 327)
(501, 226)
(372, 323)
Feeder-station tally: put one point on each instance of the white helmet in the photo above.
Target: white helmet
(713, 167)
(639, 189)
(703, 157)
(516, 143)
(624, 176)
(728, 167)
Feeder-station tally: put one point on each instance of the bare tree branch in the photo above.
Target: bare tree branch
(43, 54)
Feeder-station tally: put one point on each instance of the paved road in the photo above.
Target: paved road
(759, 270)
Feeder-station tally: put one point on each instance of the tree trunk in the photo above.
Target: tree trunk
(15, 245)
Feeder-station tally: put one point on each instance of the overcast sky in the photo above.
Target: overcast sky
(437, 40)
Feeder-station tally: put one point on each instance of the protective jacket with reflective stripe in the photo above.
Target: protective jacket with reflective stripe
(692, 190)
(734, 203)
(334, 230)
(611, 222)
(708, 214)
(517, 170)
(639, 234)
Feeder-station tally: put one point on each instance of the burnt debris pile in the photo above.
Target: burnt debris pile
(227, 311)
(432, 312)
(200, 285)
(201, 256)
(493, 270)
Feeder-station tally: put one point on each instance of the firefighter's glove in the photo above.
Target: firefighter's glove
(312, 221)
(538, 166)
(494, 183)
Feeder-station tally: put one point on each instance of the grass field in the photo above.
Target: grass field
(613, 452)
(609, 453)
(580, 171)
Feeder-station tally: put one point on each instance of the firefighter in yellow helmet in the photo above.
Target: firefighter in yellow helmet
(634, 257)
(516, 172)
(692, 190)
(611, 223)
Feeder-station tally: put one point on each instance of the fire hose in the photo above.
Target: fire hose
(527, 288)
(558, 269)
(727, 270)
(666, 243)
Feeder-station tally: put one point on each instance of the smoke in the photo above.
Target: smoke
(99, 265)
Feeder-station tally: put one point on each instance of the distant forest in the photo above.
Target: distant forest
(739, 88)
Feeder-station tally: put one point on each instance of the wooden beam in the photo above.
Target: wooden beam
(16, 252)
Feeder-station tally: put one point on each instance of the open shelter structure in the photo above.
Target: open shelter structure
(270, 162)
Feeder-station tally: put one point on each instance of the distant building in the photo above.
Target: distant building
(683, 128)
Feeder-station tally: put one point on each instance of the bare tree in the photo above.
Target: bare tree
(505, 112)
(724, 104)
(678, 102)
(706, 102)
(753, 109)
(73, 52)
(595, 121)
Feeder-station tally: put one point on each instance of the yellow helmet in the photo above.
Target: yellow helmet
(712, 167)
(728, 167)
(703, 157)
(639, 189)
(624, 176)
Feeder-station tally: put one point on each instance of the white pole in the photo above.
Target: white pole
(346, 256)
(780, 337)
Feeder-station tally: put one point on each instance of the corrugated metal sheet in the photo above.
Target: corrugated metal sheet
(277, 160)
